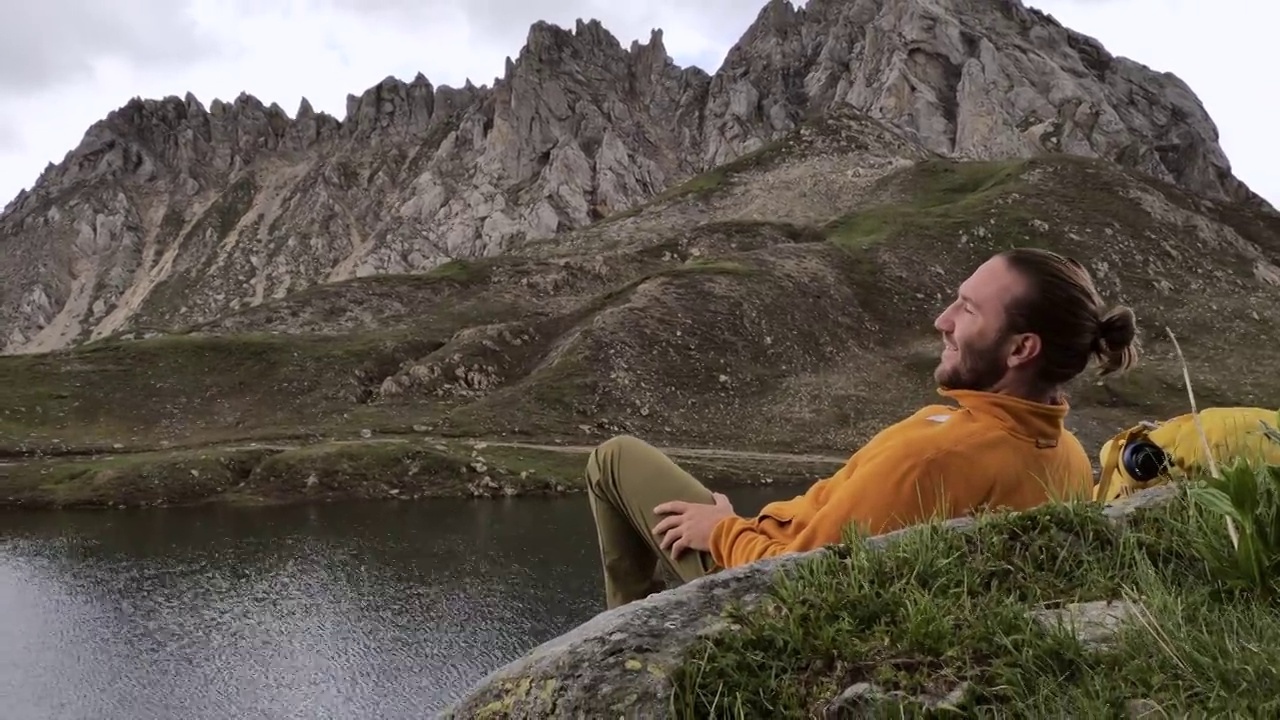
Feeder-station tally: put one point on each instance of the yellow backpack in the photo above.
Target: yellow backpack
(1148, 454)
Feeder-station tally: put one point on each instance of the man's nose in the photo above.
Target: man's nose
(942, 323)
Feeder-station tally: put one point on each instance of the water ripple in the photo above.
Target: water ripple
(379, 610)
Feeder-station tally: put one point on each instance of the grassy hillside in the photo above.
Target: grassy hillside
(1055, 612)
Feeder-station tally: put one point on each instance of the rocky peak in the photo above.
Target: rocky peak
(776, 17)
(192, 103)
(967, 78)
(569, 96)
(391, 106)
(149, 139)
(760, 92)
(310, 127)
(655, 48)
(546, 41)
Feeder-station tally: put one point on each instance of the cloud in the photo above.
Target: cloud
(505, 16)
(10, 135)
(281, 50)
(44, 43)
(690, 30)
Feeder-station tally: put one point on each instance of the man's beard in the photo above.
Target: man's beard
(979, 368)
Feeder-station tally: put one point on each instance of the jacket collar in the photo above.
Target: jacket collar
(1040, 423)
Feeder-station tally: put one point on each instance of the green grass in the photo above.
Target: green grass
(941, 610)
(942, 194)
(701, 186)
(163, 478)
(186, 387)
(385, 466)
(711, 266)
(564, 468)
(460, 270)
(231, 206)
(751, 230)
(405, 467)
(704, 185)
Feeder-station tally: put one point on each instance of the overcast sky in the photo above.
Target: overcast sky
(66, 63)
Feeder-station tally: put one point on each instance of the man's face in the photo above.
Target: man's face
(976, 347)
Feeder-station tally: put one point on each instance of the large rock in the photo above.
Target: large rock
(619, 663)
(168, 213)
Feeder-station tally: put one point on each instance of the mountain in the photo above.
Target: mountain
(751, 260)
(169, 214)
(783, 301)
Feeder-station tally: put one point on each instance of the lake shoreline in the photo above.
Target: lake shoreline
(405, 469)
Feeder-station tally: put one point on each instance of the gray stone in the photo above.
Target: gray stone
(1093, 623)
(861, 699)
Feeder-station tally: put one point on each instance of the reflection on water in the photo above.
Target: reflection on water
(371, 610)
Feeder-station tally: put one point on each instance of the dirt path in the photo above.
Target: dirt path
(712, 453)
(686, 452)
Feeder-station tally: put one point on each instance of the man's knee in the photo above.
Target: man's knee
(620, 443)
(605, 455)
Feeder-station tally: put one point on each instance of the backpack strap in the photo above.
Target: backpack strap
(1112, 454)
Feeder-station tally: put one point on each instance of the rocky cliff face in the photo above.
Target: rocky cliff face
(169, 213)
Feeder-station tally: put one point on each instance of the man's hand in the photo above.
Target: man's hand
(689, 525)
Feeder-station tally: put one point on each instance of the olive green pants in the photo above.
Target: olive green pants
(626, 479)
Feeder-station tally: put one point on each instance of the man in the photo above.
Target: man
(1022, 325)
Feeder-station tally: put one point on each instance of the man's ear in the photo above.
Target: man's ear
(1025, 348)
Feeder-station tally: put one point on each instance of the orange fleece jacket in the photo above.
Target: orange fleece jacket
(993, 451)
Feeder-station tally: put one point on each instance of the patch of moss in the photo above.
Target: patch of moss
(195, 387)
(704, 185)
(754, 229)
(939, 195)
(231, 205)
(710, 265)
(335, 298)
(946, 182)
(170, 227)
(350, 469)
(453, 270)
(167, 478)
